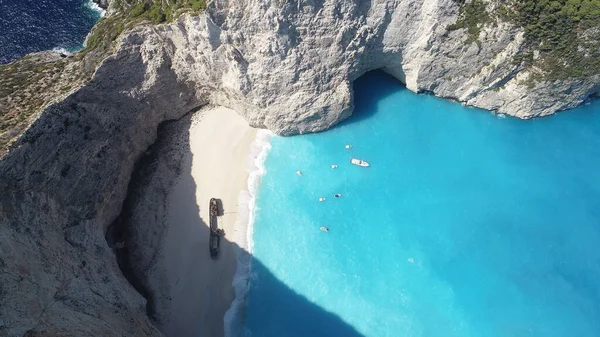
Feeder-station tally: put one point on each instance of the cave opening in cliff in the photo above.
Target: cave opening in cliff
(369, 89)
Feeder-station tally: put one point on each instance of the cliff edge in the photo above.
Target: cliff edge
(287, 66)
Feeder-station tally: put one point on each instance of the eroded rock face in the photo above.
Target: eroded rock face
(290, 66)
(287, 66)
(65, 184)
(102, 3)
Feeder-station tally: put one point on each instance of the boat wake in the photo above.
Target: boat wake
(234, 319)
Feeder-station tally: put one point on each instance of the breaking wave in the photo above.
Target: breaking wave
(61, 50)
(234, 317)
(94, 6)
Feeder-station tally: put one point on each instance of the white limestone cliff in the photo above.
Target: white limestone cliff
(284, 65)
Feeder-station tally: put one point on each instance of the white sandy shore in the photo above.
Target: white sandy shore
(200, 288)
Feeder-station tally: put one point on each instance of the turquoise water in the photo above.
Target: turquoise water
(465, 224)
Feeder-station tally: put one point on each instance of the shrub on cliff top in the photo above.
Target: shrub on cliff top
(473, 16)
(134, 12)
(566, 33)
(158, 11)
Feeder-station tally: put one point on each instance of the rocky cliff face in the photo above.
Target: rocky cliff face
(287, 66)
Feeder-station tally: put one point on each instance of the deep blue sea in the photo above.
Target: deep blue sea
(28, 26)
(465, 224)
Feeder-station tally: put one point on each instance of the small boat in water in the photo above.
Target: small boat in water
(324, 229)
(348, 146)
(299, 173)
(333, 166)
(321, 199)
(337, 195)
(359, 162)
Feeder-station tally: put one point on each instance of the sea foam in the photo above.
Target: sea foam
(61, 50)
(234, 317)
(94, 6)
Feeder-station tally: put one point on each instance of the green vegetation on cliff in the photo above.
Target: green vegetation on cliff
(566, 33)
(161, 11)
(131, 13)
(473, 16)
(29, 84)
(563, 35)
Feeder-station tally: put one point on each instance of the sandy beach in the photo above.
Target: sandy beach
(200, 287)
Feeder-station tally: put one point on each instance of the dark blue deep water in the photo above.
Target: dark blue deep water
(28, 26)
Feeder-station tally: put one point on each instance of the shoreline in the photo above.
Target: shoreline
(200, 290)
(96, 8)
(210, 153)
(234, 318)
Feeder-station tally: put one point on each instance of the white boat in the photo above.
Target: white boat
(333, 166)
(299, 173)
(324, 229)
(321, 199)
(348, 146)
(359, 162)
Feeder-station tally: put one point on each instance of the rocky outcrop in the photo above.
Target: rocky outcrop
(290, 67)
(65, 184)
(102, 3)
(287, 66)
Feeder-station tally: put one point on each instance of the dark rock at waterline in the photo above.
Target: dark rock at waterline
(102, 3)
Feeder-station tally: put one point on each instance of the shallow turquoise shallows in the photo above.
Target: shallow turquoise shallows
(465, 224)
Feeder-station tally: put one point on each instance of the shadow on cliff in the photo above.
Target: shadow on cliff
(373, 87)
(200, 290)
